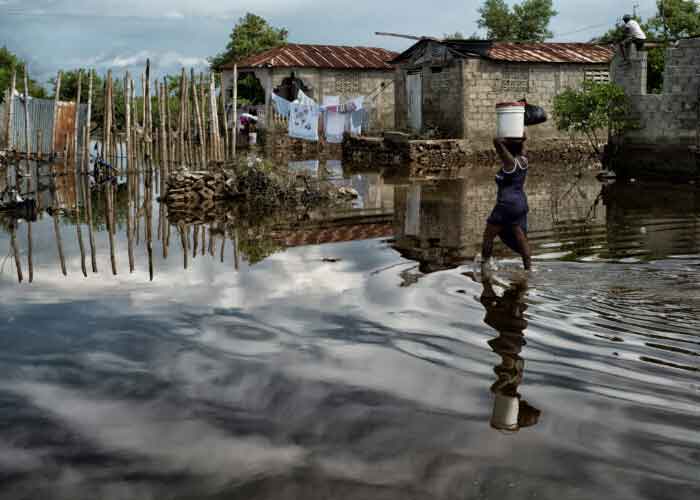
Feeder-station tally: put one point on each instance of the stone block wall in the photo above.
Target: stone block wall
(487, 83)
(460, 96)
(667, 134)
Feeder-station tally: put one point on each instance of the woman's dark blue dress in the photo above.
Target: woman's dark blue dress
(511, 206)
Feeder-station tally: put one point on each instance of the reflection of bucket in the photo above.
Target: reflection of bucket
(505, 413)
(510, 119)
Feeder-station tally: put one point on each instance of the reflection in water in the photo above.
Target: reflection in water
(506, 315)
(315, 375)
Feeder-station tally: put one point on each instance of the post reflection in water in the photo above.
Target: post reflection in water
(506, 315)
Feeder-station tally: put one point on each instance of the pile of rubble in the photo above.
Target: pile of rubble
(256, 183)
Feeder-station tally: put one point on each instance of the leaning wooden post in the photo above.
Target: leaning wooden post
(148, 119)
(30, 251)
(76, 128)
(214, 113)
(15, 251)
(127, 116)
(234, 137)
(86, 145)
(10, 110)
(59, 241)
(55, 112)
(200, 128)
(108, 120)
(77, 200)
(27, 139)
(226, 153)
(168, 134)
(91, 231)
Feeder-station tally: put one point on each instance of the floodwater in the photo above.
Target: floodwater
(352, 353)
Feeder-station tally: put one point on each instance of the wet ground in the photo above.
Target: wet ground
(352, 354)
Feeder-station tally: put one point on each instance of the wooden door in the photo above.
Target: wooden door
(414, 91)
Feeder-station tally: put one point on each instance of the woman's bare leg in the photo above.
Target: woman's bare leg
(524, 246)
(490, 234)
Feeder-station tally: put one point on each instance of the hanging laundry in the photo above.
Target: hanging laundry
(334, 122)
(357, 118)
(282, 105)
(353, 105)
(303, 121)
(304, 99)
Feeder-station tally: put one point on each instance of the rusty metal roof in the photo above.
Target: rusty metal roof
(319, 56)
(586, 53)
(558, 53)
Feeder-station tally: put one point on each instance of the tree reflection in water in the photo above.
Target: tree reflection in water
(505, 314)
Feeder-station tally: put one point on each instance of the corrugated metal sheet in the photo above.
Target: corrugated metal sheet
(586, 53)
(320, 56)
(41, 117)
(559, 53)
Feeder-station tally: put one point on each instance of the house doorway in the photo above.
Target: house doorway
(414, 91)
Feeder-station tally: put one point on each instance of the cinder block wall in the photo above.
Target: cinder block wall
(484, 86)
(459, 97)
(669, 119)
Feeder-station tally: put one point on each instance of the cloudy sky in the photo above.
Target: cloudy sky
(53, 34)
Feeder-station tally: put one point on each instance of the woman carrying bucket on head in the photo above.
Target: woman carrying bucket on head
(508, 220)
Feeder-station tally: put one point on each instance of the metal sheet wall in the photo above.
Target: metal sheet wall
(41, 117)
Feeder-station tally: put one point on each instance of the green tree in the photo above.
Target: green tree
(9, 62)
(251, 35)
(591, 110)
(524, 22)
(675, 19)
(497, 19)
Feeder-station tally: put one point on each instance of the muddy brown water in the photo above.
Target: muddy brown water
(352, 353)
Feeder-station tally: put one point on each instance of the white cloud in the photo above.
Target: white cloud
(174, 15)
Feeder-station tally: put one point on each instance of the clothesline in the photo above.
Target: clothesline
(304, 115)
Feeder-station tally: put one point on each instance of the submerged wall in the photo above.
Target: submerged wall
(666, 140)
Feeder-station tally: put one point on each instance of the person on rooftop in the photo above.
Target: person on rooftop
(633, 35)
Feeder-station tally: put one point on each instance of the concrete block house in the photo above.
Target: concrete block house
(325, 70)
(453, 86)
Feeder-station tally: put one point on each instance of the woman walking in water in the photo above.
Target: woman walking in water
(508, 220)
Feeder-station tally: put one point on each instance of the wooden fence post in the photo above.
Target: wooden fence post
(27, 139)
(10, 110)
(55, 112)
(235, 109)
(76, 127)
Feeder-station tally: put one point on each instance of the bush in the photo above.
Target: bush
(593, 109)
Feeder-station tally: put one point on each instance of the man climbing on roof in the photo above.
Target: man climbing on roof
(633, 35)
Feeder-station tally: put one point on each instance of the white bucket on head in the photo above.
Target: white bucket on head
(510, 120)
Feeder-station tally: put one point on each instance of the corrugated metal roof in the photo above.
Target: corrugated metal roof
(576, 53)
(588, 53)
(319, 56)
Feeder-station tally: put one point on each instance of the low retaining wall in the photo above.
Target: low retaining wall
(416, 158)
(445, 158)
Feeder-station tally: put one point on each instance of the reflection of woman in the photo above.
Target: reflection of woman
(508, 220)
(506, 315)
